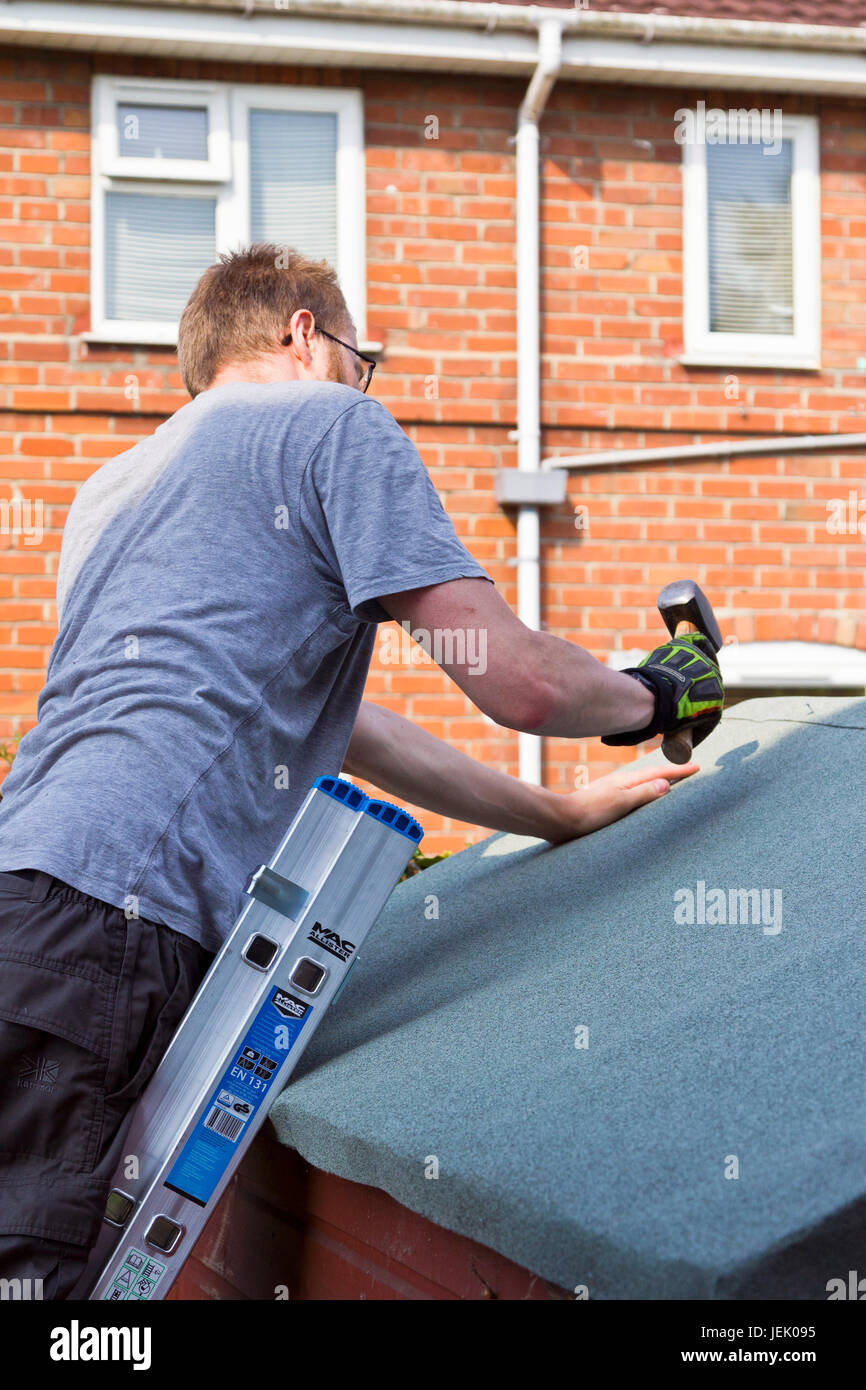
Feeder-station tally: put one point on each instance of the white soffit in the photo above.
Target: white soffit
(345, 40)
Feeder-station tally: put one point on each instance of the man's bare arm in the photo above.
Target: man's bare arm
(530, 681)
(415, 767)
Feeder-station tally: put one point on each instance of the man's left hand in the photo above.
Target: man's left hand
(610, 798)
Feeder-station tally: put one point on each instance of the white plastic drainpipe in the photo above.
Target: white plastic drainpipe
(529, 345)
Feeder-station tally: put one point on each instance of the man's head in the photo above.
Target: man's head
(243, 308)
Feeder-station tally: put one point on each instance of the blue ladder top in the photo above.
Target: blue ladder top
(395, 817)
(385, 811)
(343, 791)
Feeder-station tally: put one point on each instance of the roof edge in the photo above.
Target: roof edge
(471, 14)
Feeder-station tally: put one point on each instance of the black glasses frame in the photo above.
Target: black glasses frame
(370, 361)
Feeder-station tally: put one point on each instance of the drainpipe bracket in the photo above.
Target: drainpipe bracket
(523, 487)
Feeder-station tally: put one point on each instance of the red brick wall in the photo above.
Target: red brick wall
(441, 295)
(286, 1230)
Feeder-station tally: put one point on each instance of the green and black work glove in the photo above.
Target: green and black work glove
(684, 676)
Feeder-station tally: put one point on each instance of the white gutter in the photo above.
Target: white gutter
(529, 346)
(471, 14)
(448, 35)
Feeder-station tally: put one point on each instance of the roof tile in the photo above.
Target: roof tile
(845, 13)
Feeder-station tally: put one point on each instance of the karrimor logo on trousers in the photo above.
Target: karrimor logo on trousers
(38, 1073)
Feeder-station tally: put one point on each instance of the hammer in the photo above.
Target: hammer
(685, 608)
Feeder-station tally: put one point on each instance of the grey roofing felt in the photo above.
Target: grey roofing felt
(605, 1166)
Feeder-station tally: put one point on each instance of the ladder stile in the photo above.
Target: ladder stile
(284, 962)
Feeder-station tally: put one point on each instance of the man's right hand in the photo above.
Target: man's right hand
(684, 675)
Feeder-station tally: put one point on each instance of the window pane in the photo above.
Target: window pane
(156, 247)
(293, 181)
(750, 239)
(162, 132)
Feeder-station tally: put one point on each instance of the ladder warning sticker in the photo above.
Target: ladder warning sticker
(229, 1115)
(137, 1277)
(238, 1096)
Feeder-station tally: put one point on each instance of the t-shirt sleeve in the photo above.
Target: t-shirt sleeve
(371, 511)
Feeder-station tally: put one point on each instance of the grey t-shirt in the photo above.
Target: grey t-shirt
(217, 615)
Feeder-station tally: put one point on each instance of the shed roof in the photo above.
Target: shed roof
(606, 1166)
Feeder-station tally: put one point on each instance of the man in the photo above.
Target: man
(218, 593)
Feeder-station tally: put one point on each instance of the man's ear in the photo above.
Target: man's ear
(301, 326)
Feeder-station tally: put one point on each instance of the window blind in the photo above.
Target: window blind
(750, 243)
(162, 132)
(293, 181)
(156, 247)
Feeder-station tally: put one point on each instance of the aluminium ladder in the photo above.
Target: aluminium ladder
(284, 962)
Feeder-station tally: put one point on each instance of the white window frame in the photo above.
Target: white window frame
(109, 93)
(801, 349)
(764, 664)
(225, 176)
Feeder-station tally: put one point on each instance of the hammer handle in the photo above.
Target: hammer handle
(677, 747)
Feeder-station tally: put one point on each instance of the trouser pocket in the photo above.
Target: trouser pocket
(88, 1004)
(55, 1045)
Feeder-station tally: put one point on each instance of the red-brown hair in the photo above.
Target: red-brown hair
(241, 307)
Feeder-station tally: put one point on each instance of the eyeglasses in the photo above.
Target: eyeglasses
(371, 364)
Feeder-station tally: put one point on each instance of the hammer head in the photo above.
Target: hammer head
(684, 602)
